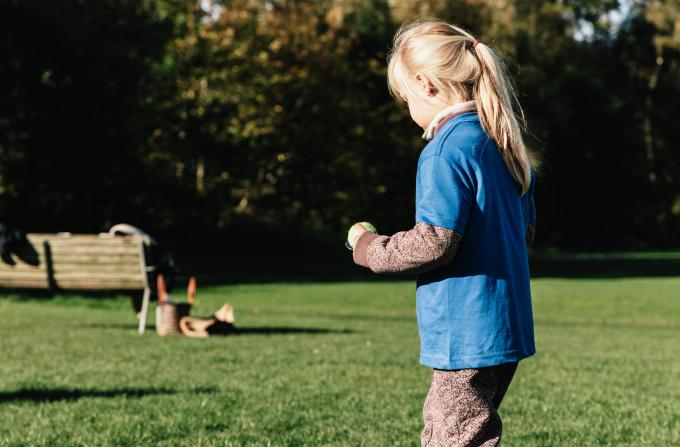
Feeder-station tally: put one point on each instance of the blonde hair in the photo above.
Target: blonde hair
(461, 68)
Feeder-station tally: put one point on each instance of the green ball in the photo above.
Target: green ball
(369, 227)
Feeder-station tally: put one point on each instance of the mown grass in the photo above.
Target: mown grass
(332, 364)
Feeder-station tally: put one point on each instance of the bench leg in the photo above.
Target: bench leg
(145, 310)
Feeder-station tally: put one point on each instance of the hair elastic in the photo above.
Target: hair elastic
(474, 42)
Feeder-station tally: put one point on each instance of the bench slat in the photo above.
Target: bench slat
(93, 268)
(87, 238)
(31, 283)
(99, 284)
(82, 240)
(103, 275)
(24, 274)
(74, 241)
(107, 244)
(21, 267)
(112, 251)
(101, 258)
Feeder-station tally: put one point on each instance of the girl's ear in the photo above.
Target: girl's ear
(426, 86)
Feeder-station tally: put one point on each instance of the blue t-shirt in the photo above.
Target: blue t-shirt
(476, 310)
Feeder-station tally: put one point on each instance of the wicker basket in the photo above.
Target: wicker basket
(168, 316)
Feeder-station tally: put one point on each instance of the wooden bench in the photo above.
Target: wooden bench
(82, 262)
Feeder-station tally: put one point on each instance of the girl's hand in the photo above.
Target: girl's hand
(356, 231)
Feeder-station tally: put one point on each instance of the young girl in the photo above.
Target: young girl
(475, 216)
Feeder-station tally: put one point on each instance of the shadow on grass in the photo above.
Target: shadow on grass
(59, 394)
(288, 330)
(264, 330)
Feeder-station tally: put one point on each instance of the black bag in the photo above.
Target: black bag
(14, 241)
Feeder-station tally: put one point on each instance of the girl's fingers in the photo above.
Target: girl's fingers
(355, 232)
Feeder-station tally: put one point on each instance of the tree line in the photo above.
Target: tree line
(269, 123)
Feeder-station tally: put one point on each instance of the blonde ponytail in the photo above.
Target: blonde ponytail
(495, 98)
(462, 69)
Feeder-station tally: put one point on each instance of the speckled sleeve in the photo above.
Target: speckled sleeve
(422, 248)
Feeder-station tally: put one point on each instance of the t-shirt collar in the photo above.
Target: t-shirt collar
(445, 115)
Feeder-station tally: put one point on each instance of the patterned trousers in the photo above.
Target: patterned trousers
(460, 409)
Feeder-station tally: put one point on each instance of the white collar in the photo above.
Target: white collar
(443, 116)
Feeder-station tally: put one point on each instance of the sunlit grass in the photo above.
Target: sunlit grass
(332, 364)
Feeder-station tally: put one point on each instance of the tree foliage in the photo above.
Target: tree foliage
(242, 121)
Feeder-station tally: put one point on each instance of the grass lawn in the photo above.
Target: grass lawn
(332, 364)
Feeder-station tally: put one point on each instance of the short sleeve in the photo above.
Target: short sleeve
(444, 195)
(531, 214)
